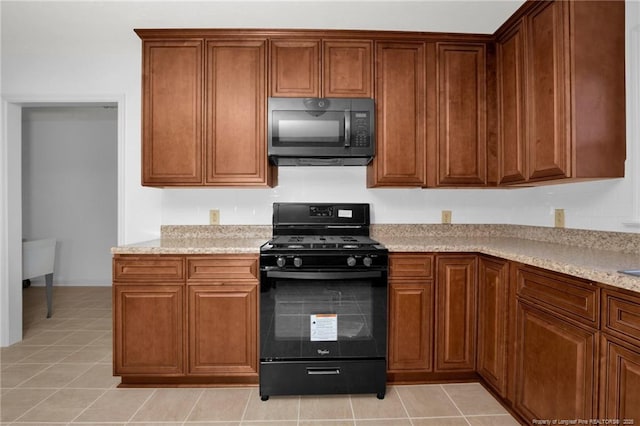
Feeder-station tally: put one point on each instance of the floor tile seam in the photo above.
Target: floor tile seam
(89, 406)
(193, 406)
(91, 365)
(34, 375)
(403, 406)
(454, 404)
(142, 405)
(17, 420)
(103, 333)
(246, 404)
(50, 345)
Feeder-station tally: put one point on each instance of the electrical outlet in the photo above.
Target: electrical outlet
(446, 216)
(559, 218)
(214, 217)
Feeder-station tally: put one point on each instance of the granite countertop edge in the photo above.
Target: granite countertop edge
(596, 265)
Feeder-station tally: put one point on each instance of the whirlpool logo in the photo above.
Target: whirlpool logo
(323, 352)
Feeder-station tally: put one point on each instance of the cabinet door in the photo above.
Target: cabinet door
(148, 330)
(235, 113)
(172, 112)
(619, 381)
(400, 116)
(347, 69)
(223, 329)
(548, 130)
(411, 325)
(556, 367)
(455, 342)
(493, 314)
(462, 116)
(511, 107)
(295, 68)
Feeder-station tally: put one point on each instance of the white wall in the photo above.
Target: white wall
(69, 184)
(54, 50)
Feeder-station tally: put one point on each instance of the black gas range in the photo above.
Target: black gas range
(321, 235)
(323, 302)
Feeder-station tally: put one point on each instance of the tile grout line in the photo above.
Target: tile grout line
(141, 405)
(90, 405)
(186, 419)
(455, 405)
(353, 413)
(403, 406)
(246, 405)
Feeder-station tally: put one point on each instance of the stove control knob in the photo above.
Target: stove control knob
(367, 261)
(281, 261)
(297, 262)
(351, 261)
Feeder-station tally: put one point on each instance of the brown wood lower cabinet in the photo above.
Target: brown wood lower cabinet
(410, 326)
(455, 319)
(619, 381)
(556, 366)
(493, 322)
(410, 316)
(223, 329)
(551, 346)
(620, 357)
(148, 330)
(185, 319)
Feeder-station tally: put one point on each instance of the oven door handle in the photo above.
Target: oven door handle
(347, 275)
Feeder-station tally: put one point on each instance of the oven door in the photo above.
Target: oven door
(311, 315)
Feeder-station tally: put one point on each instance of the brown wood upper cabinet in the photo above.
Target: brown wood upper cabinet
(400, 115)
(461, 158)
(172, 125)
(431, 102)
(321, 68)
(560, 70)
(204, 112)
(236, 153)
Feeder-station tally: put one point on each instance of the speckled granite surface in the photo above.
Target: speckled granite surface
(593, 255)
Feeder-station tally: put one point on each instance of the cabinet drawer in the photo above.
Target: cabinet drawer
(413, 265)
(148, 269)
(621, 315)
(568, 296)
(222, 268)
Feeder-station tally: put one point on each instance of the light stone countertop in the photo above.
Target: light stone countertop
(592, 264)
(597, 259)
(219, 245)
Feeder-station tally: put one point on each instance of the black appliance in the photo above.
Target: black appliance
(323, 302)
(321, 131)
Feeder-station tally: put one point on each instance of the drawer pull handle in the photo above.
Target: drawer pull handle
(323, 371)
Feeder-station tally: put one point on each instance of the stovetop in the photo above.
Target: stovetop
(322, 242)
(321, 235)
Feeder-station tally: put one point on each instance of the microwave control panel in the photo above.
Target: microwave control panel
(360, 129)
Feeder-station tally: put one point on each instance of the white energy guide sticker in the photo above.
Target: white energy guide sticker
(324, 327)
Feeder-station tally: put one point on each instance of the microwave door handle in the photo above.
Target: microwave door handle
(347, 128)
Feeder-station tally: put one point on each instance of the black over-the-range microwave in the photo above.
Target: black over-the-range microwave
(321, 131)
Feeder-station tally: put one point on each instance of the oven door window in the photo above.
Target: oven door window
(305, 319)
(296, 128)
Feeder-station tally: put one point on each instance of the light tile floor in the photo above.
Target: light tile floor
(61, 373)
